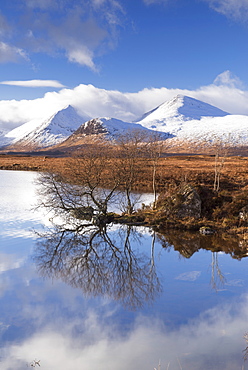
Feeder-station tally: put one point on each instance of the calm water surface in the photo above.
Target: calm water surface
(135, 303)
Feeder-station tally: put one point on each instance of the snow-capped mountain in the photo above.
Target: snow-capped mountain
(178, 110)
(111, 127)
(188, 120)
(45, 132)
(182, 120)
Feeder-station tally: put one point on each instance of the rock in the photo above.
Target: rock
(190, 205)
(182, 202)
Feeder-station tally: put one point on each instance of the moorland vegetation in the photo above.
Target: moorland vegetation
(207, 192)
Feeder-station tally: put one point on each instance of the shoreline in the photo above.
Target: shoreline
(220, 211)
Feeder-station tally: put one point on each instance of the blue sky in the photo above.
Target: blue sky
(124, 46)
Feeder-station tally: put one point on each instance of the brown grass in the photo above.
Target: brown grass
(219, 209)
(198, 169)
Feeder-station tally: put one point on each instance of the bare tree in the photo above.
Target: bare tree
(86, 186)
(221, 151)
(155, 148)
(131, 152)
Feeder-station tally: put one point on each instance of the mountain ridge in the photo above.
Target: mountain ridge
(182, 121)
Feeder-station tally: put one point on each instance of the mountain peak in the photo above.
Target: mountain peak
(67, 110)
(68, 107)
(181, 108)
(191, 108)
(46, 132)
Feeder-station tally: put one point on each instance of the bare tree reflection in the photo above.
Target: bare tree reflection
(217, 278)
(246, 349)
(99, 261)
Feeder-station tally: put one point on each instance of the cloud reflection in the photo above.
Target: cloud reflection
(9, 262)
(53, 323)
(212, 340)
(189, 276)
(18, 197)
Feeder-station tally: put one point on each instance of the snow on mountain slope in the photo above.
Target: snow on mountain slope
(43, 133)
(188, 120)
(230, 129)
(112, 127)
(180, 109)
(181, 120)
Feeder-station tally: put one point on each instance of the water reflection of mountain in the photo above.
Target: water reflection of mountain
(100, 262)
(187, 243)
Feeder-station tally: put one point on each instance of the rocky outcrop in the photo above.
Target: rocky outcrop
(190, 205)
(183, 202)
(91, 127)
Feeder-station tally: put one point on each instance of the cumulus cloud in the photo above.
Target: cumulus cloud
(237, 9)
(34, 83)
(225, 93)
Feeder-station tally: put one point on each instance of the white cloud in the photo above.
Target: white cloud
(80, 30)
(227, 78)
(78, 39)
(34, 83)
(83, 56)
(224, 93)
(231, 8)
(10, 53)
